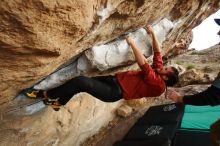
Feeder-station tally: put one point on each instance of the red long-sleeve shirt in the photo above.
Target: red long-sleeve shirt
(143, 83)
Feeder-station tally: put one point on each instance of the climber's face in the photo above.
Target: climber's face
(163, 72)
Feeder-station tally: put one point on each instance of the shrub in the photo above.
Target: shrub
(190, 66)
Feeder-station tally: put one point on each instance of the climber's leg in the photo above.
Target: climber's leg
(104, 88)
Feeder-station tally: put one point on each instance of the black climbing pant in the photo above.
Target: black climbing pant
(105, 88)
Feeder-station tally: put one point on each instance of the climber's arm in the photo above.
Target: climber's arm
(141, 60)
(210, 96)
(173, 95)
(157, 58)
(155, 42)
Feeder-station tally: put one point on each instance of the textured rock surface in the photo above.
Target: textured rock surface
(36, 37)
(192, 77)
(79, 119)
(39, 37)
(124, 111)
(118, 53)
(105, 57)
(201, 66)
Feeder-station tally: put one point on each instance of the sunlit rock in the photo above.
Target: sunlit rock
(43, 44)
(124, 110)
(118, 52)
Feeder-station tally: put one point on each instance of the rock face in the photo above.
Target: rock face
(193, 77)
(107, 56)
(201, 66)
(101, 57)
(40, 37)
(37, 37)
(71, 125)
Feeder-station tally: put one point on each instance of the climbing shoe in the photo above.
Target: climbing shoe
(33, 93)
(54, 103)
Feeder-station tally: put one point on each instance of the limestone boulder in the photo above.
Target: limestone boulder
(45, 43)
(37, 37)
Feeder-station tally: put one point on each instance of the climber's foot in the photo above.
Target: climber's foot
(54, 103)
(33, 93)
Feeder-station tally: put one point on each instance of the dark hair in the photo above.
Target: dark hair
(172, 77)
